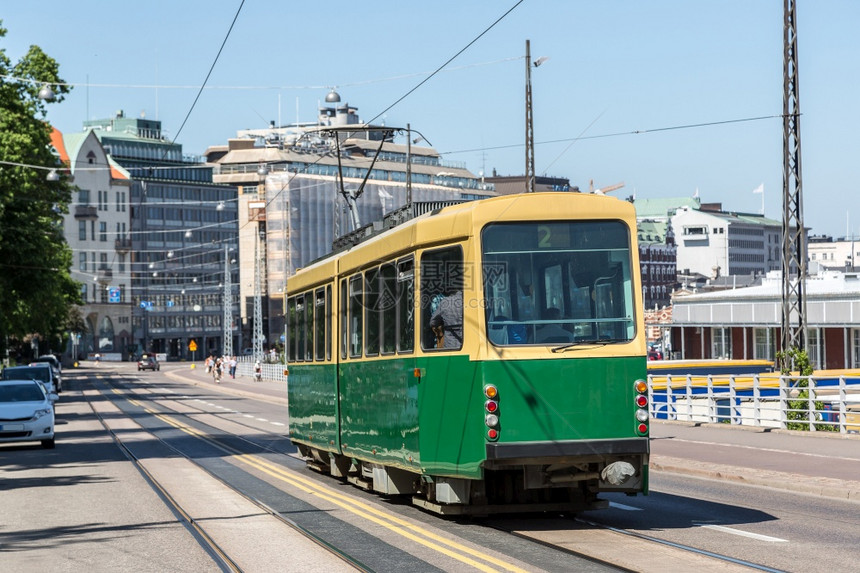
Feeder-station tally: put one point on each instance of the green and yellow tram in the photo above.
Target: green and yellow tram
(484, 357)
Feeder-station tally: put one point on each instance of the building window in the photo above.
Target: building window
(722, 342)
(763, 344)
(103, 232)
(82, 230)
(813, 345)
(855, 355)
(82, 263)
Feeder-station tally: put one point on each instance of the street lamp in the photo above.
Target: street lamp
(46, 93)
(530, 131)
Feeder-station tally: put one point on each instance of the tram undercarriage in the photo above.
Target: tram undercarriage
(509, 487)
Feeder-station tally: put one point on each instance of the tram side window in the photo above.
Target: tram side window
(320, 323)
(371, 312)
(442, 282)
(300, 316)
(344, 319)
(309, 325)
(355, 316)
(406, 305)
(387, 308)
(328, 313)
(291, 331)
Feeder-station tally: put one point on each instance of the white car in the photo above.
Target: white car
(26, 412)
(44, 373)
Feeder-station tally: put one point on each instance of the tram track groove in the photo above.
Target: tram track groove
(368, 513)
(207, 542)
(401, 527)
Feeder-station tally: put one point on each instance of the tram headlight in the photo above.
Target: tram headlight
(491, 406)
(491, 420)
(641, 401)
(491, 391)
(642, 428)
(642, 415)
(641, 386)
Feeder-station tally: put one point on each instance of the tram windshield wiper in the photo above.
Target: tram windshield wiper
(598, 342)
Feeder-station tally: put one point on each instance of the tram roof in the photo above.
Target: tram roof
(456, 223)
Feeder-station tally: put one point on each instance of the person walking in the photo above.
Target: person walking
(233, 363)
(216, 371)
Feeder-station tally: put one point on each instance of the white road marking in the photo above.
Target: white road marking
(248, 415)
(261, 419)
(743, 533)
(624, 507)
(277, 424)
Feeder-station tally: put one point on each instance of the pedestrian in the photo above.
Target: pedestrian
(216, 371)
(233, 363)
(258, 371)
(98, 358)
(209, 362)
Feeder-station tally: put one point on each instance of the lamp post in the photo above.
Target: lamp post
(530, 131)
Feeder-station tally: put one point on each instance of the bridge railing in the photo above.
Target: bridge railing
(827, 403)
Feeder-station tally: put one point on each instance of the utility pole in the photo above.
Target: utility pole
(793, 235)
(530, 131)
(228, 306)
(258, 296)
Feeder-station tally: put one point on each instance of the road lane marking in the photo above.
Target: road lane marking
(624, 507)
(792, 452)
(757, 536)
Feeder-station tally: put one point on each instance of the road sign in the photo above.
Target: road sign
(113, 294)
(192, 346)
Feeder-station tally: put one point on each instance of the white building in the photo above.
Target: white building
(712, 242)
(838, 254)
(96, 229)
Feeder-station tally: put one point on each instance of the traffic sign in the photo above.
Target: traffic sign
(113, 294)
(192, 346)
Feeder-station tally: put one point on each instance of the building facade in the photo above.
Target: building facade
(745, 323)
(834, 254)
(97, 231)
(182, 227)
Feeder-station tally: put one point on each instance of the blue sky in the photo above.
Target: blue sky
(615, 67)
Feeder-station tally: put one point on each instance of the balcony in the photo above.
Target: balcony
(86, 212)
(104, 276)
(122, 246)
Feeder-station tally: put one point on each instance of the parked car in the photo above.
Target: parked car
(26, 412)
(148, 363)
(41, 372)
(52, 360)
(58, 378)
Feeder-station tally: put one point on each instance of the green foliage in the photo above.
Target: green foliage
(799, 359)
(36, 289)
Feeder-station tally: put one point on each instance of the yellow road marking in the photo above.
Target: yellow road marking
(359, 508)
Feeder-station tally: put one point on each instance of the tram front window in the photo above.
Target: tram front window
(553, 283)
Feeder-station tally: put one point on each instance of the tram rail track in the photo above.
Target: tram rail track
(706, 561)
(220, 555)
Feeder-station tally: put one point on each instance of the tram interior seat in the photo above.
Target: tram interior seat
(505, 334)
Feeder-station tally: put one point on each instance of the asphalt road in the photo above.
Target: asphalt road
(97, 511)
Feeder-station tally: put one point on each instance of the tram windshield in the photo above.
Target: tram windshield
(555, 283)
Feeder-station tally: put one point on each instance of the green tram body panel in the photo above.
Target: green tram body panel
(435, 424)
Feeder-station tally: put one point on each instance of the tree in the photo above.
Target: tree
(36, 289)
(797, 408)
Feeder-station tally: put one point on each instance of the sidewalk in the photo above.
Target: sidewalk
(821, 463)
